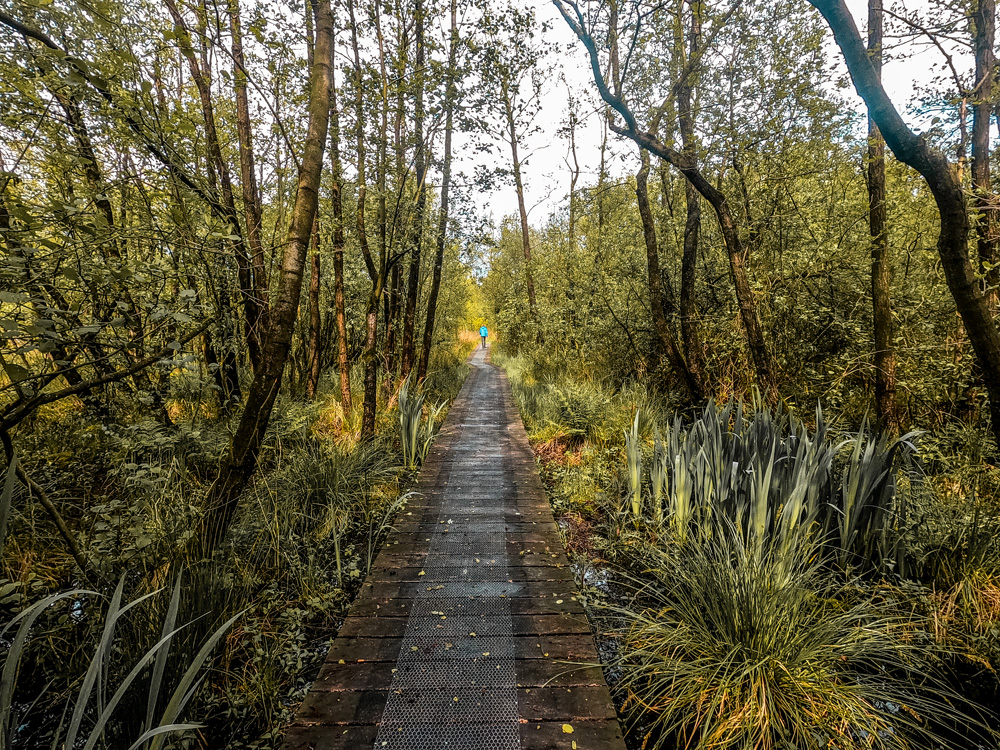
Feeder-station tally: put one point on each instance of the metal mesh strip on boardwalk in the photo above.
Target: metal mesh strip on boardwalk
(454, 685)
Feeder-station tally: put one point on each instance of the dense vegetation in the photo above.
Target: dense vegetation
(218, 379)
(810, 559)
(761, 373)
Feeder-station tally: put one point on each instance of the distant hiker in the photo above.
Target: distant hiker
(484, 333)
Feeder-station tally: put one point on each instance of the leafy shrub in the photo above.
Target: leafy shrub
(579, 409)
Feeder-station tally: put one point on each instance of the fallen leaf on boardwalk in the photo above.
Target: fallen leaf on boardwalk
(486, 653)
(558, 601)
(567, 729)
(341, 661)
(421, 573)
(413, 648)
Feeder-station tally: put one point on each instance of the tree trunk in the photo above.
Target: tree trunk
(885, 354)
(660, 323)
(521, 209)
(984, 22)
(337, 203)
(248, 174)
(943, 182)
(449, 105)
(241, 460)
(420, 164)
(692, 223)
(396, 282)
(392, 318)
(313, 346)
(376, 272)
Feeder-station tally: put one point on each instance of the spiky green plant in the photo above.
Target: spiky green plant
(728, 648)
(97, 699)
(659, 476)
(410, 410)
(773, 478)
(633, 455)
(415, 434)
(433, 413)
(869, 509)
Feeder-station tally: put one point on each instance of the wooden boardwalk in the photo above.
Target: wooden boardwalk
(467, 634)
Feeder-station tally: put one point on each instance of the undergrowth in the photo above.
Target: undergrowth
(767, 579)
(267, 606)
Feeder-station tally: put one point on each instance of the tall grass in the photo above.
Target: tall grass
(99, 696)
(415, 434)
(776, 479)
(722, 647)
(765, 575)
(320, 495)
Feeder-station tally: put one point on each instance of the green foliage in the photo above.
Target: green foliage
(94, 728)
(775, 479)
(722, 647)
(311, 527)
(415, 435)
(783, 585)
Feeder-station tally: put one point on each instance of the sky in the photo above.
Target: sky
(545, 170)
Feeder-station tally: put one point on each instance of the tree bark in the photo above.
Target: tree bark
(392, 319)
(248, 175)
(337, 203)
(395, 295)
(241, 460)
(984, 23)
(519, 186)
(313, 345)
(417, 230)
(376, 271)
(885, 354)
(692, 223)
(660, 323)
(916, 152)
(442, 233)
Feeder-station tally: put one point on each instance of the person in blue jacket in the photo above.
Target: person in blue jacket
(484, 333)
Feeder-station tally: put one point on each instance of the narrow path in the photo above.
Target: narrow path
(467, 634)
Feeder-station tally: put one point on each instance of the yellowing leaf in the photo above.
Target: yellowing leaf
(567, 729)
